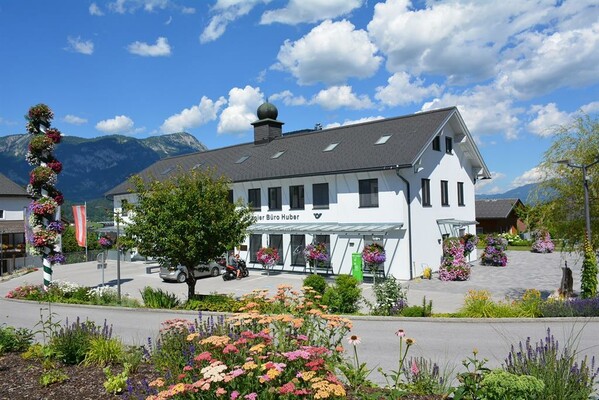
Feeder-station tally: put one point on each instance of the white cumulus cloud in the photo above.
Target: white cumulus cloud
(485, 186)
(353, 121)
(288, 98)
(80, 46)
(120, 124)
(226, 11)
(546, 119)
(485, 109)
(131, 6)
(241, 110)
(533, 175)
(95, 10)
(194, 116)
(310, 11)
(160, 49)
(341, 96)
(403, 89)
(331, 53)
(74, 120)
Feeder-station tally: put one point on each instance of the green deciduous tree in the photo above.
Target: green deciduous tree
(187, 219)
(577, 142)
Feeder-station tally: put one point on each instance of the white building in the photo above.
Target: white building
(13, 201)
(404, 182)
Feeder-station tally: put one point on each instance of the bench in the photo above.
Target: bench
(150, 268)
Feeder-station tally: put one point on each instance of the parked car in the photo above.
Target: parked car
(177, 273)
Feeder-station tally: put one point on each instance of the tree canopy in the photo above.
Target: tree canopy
(577, 142)
(187, 219)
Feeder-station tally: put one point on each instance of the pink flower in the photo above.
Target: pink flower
(234, 394)
(354, 340)
(414, 369)
(400, 333)
(220, 391)
(251, 396)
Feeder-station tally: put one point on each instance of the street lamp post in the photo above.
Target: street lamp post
(585, 183)
(118, 258)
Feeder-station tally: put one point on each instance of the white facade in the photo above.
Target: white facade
(11, 208)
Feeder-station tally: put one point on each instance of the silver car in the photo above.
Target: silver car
(178, 273)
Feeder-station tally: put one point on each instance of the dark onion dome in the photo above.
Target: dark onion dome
(267, 111)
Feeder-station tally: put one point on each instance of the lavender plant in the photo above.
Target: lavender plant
(564, 376)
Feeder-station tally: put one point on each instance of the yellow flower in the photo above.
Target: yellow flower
(192, 336)
(257, 348)
(250, 365)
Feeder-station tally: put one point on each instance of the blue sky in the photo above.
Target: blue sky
(515, 69)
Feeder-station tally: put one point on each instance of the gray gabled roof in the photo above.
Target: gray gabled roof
(9, 188)
(495, 208)
(303, 153)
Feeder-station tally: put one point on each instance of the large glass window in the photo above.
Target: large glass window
(369, 192)
(461, 194)
(230, 196)
(255, 245)
(298, 243)
(1, 214)
(296, 197)
(320, 194)
(426, 192)
(276, 242)
(274, 199)
(254, 200)
(444, 193)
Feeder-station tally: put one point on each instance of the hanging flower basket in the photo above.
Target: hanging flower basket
(56, 226)
(316, 254)
(469, 241)
(56, 195)
(40, 112)
(373, 256)
(267, 256)
(55, 166)
(56, 258)
(54, 135)
(105, 242)
(43, 238)
(42, 177)
(40, 146)
(44, 206)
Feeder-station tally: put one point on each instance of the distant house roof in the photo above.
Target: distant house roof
(9, 188)
(495, 208)
(350, 148)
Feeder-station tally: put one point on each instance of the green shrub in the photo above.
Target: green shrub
(133, 356)
(478, 304)
(344, 296)
(71, 343)
(588, 286)
(530, 305)
(157, 298)
(425, 310)
(14, 340)
(316, 282)
(390, 298)
(501, 385)
(104, 351)
(213, 302)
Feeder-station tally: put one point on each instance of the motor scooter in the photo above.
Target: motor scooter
(230, 271)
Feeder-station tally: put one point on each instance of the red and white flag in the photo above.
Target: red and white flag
(80, 225)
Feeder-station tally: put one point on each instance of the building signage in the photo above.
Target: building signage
(279, 217)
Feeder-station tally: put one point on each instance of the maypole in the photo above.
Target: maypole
(44, 209)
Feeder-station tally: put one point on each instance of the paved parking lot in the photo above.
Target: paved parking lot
(525, 270)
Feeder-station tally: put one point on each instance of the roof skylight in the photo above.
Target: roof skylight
(198, 165)
(166, 171)
(331, 147)
(242, 159)
(277, 154)
(383, 139)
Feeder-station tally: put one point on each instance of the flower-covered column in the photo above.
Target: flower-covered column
(44, 210)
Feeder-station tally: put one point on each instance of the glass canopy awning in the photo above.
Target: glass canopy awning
(327, 228)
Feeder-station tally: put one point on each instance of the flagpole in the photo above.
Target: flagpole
(85, 207)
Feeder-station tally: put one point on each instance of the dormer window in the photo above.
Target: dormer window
(331, 147)
(437, 143)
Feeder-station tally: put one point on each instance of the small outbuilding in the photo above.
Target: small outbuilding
(499, 216)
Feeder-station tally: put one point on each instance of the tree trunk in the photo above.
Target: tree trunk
(191, 283)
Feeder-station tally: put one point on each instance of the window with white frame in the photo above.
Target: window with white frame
(276, 242)
(296, 197)
(320, 195)
(461, 194)
(254, 199)
(444, 193)
(255, 245)
(426, 192)
(275, 202)
(298, 243)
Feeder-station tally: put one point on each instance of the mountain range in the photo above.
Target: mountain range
(91, 167)
(521, 192)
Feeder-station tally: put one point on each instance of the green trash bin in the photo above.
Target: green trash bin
(356, 266)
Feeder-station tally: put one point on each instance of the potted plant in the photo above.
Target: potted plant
(316, 254)
(374, 256)
(105, 242)
(454, 266)
(268, 257)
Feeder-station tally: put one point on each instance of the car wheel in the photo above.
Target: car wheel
(181, 277)
(215, 271)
